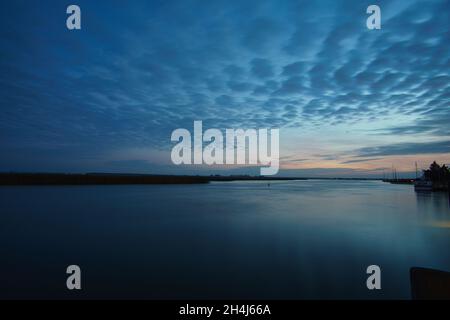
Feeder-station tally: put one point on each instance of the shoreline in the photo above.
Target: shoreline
(22, 179)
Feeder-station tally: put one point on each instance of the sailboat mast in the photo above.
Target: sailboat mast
(416, 170)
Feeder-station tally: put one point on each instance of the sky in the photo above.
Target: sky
(348, 101)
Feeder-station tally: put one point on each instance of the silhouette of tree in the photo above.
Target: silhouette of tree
(436, 173)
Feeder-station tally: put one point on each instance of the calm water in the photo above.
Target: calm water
(296, 239)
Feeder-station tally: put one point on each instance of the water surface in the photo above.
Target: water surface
(293, 240)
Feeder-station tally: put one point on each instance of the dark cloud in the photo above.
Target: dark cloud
(294, 69)
(239, 86)
(360, 160)
(260, 32)
(405, 149)
(262, 68)
(294, 85)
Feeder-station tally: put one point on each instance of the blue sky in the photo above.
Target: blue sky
(348, 101)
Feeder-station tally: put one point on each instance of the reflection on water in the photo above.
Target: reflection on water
(294, 239)
(437, 204)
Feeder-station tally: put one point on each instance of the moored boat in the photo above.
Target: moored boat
(423, 185)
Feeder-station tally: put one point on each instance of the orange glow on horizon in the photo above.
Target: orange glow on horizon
(399, 163)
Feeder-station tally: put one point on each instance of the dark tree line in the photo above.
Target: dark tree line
(438, 174)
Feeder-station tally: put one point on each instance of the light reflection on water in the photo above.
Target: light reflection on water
(294, 239)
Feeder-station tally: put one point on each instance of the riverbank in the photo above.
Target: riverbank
(94, 179)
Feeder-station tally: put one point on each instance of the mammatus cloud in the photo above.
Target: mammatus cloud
(132, 75)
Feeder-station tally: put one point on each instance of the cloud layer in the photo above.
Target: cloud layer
(134, 73)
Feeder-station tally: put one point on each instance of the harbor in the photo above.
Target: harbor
(436, 178)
